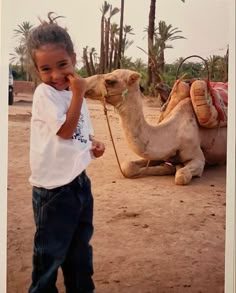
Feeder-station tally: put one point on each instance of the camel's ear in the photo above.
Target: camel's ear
(133, 78)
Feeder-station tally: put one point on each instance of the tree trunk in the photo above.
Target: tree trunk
(162, 59)
(102, 57)
(121, 34)
(86, 62)
(123, 46)
(151, 29)
(111, 54)
(116, 56)
(107, 31)
(92, 63)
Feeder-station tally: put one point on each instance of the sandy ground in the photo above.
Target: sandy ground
(151, 236)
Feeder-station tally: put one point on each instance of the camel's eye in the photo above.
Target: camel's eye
(110, 81)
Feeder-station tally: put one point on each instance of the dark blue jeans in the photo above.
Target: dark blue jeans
(64, 227)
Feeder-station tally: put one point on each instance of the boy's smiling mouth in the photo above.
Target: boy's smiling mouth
(60, 85)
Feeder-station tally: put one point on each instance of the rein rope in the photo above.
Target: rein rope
(104, 95)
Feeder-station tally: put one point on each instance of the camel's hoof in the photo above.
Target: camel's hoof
(183, 177)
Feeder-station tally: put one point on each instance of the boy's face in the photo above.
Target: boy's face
(53, 65)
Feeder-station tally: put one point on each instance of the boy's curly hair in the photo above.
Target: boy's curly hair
(49, 32)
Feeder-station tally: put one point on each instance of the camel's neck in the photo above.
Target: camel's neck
(132, 117)
(148, 141)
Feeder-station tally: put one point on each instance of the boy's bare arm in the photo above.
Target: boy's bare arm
(78, 88)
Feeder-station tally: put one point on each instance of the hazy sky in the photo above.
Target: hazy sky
(204, 23)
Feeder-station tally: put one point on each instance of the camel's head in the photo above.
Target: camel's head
(114, 86)
(163, 90)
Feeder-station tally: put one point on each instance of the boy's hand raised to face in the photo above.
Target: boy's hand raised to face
(78, 87)
(78, 84)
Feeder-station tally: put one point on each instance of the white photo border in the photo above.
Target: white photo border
(4, 67)
(231, 162)
(230, 270)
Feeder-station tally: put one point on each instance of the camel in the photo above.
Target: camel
(178, 138)
(163, 90)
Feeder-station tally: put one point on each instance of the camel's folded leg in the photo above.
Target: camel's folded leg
(145, 168)
(192, 168)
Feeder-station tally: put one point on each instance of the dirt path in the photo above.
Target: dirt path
(151, 236)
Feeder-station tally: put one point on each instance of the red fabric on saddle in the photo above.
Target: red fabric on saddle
(222, 87)
(219, 92)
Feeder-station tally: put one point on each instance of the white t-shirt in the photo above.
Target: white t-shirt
(55, 161)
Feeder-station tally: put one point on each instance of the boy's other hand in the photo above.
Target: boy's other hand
(98, 148)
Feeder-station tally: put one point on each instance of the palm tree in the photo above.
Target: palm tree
(114, 30)
(151, 31)
(162, 34)
(86, 61)
(166, 33)
(139, 65)
(153, 64)
(113, 11)
(104, 10)
(23, 31)
(121, 34)
(213, 62)
(218, 70)
(18, 57)
(92, 56)
(125, 44)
